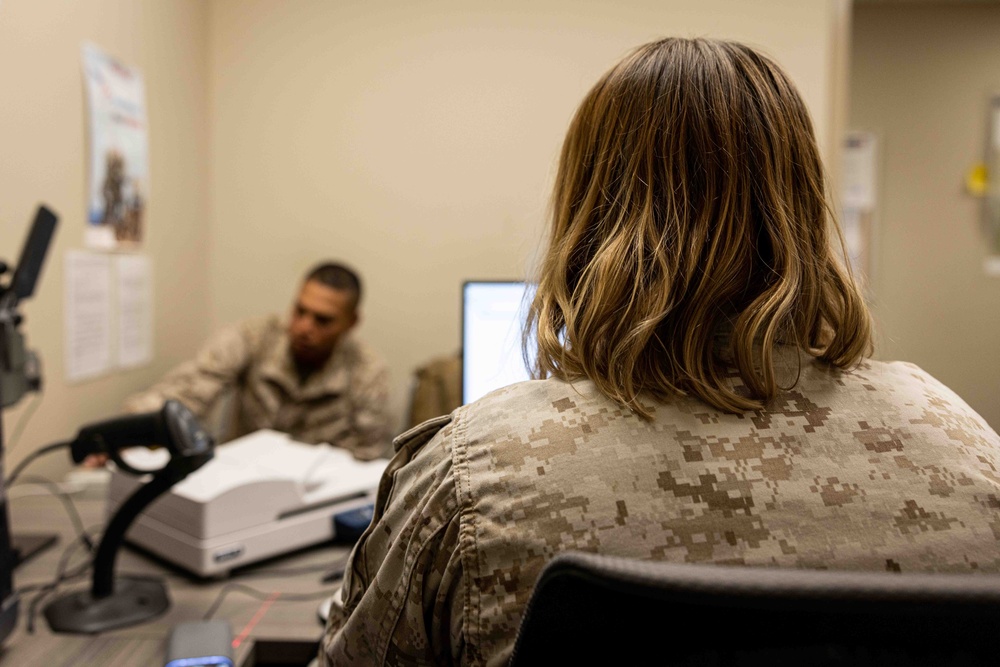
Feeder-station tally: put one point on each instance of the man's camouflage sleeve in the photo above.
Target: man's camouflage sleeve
(198, 383)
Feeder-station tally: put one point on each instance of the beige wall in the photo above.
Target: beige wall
(921, 77)
(417, 140)
(43, 159)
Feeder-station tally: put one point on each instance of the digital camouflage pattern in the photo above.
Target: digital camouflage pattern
(881, 468)
(344, 403)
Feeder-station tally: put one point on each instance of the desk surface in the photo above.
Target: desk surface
(252, 619)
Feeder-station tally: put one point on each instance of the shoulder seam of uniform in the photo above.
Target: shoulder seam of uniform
(467, 547)
(425, 430)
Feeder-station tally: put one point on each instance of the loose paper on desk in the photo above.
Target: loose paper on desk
(88, 314)
(135, 312)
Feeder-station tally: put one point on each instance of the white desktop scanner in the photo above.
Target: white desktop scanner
(261, 496)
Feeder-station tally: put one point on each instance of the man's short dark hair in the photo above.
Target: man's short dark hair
(339, 277)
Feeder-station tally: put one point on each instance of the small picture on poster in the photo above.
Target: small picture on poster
(119, 153)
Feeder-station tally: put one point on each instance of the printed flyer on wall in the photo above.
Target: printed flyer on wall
(119, 152)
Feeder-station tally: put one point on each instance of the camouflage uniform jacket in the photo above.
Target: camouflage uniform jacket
(881, 468)
(344, 403)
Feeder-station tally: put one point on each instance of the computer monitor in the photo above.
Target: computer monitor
(493, 315)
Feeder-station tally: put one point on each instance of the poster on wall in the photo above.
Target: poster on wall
(991, 190)
(119, 152)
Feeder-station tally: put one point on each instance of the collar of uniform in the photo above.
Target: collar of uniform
(330, 380)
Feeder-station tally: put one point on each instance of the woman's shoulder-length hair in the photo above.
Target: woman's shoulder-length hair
(690, 201)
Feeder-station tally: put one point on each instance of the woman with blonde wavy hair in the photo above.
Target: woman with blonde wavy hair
(703, 392)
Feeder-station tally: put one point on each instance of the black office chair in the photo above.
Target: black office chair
(588, 610)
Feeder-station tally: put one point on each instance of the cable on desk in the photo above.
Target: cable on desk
(30, 458)
(26, 416)
(263, 595)
(337, 571)
(48, 590)
(38, 585)
(74, 514)
(62, 575)
(285, 572)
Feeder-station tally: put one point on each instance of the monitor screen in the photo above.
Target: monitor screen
(493, 315)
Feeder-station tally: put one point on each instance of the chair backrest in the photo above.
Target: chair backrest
(437, 389)
(591, 609)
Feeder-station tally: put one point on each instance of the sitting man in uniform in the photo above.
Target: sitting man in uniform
(307, 377)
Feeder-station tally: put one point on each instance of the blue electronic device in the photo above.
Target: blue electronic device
(348, 526)
(200, 644)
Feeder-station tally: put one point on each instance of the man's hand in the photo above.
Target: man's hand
(95, 461)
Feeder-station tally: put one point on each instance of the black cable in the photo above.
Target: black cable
(38, 585)
(284, 572)
(74, 514)
(31, 457)
(81, 570)
(263, 595)
(62, 576)
(337, 571)
(26, 416)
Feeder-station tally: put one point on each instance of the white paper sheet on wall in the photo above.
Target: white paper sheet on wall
(88, 314)
(859, 187)
(995, 121)
(135, 315)
(852, 226)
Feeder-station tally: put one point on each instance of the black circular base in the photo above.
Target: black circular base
(133, 601)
